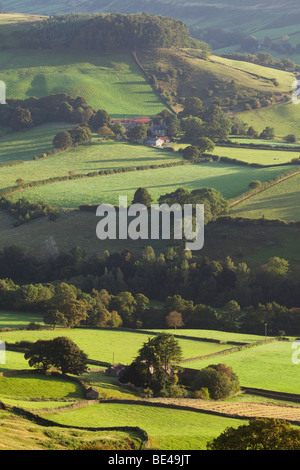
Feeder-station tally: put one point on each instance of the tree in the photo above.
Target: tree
(80, 135)
(54, 317)
(62, 141)
(99, 119)
(142, 196)
(137, 133)
(106, 132)
(259, 434)
(268, 133)
(191, 153)
(61, 353)
(229, 315)
(205, 144)
(67, 356)
(192, 107)
(277, 268)
(192, 127)
(39, 355)
(174, 320)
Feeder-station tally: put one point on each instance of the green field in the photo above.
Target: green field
(278, 202)
(18, 319)
(222, 336)
(111, 82)
(230, 180)
(26, 144)
(260, 156)
(283, 118)
(18, 433)
(256, 72)
(168, 429)
(98, 155)
(110, 346)
(268, 366)
(39, 387)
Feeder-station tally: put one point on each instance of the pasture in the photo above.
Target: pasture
(168, 429)
(26, 144)
(18, 433)
(37, 386)
(268, 366)
(112, 82)
(258, 156)
(283, 118)
(278, 202)
(10, 319)
(231, 180)
(98, 155)
(110, 346)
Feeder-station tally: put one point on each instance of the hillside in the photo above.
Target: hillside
(108, 81)
(211, 23)
(232, 84)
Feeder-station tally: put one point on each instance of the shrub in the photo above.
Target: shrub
(220, 381)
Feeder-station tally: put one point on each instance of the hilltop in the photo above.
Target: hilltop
(227, 25)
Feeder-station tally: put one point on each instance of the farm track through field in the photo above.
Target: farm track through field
(263, 189)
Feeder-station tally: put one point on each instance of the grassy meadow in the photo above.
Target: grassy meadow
(110, 346)
(278, 202)
(258, 156)
(268, 366)
(18, 433)
(26, 144)
(283, 118)
(99, 155)
(230, 180)
(111, 82)
(168, 429)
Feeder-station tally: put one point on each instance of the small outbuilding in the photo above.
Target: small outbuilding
(92, 394)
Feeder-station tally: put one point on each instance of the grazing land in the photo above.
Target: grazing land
(111, 82)
(278, 202)
(230, 180)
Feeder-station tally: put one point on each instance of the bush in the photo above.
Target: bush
(219, 380)
(202, 394)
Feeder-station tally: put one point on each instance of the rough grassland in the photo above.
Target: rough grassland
(20, 434)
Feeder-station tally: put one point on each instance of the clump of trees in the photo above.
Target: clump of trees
(24, 210)
(108, 32)
(77, 136)
(61, 107)
(258, 434)
(214, 202)
(60, 353)
(153, 368)
(218, 379)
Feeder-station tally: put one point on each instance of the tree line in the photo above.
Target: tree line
(108, 32)
(115, 290)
